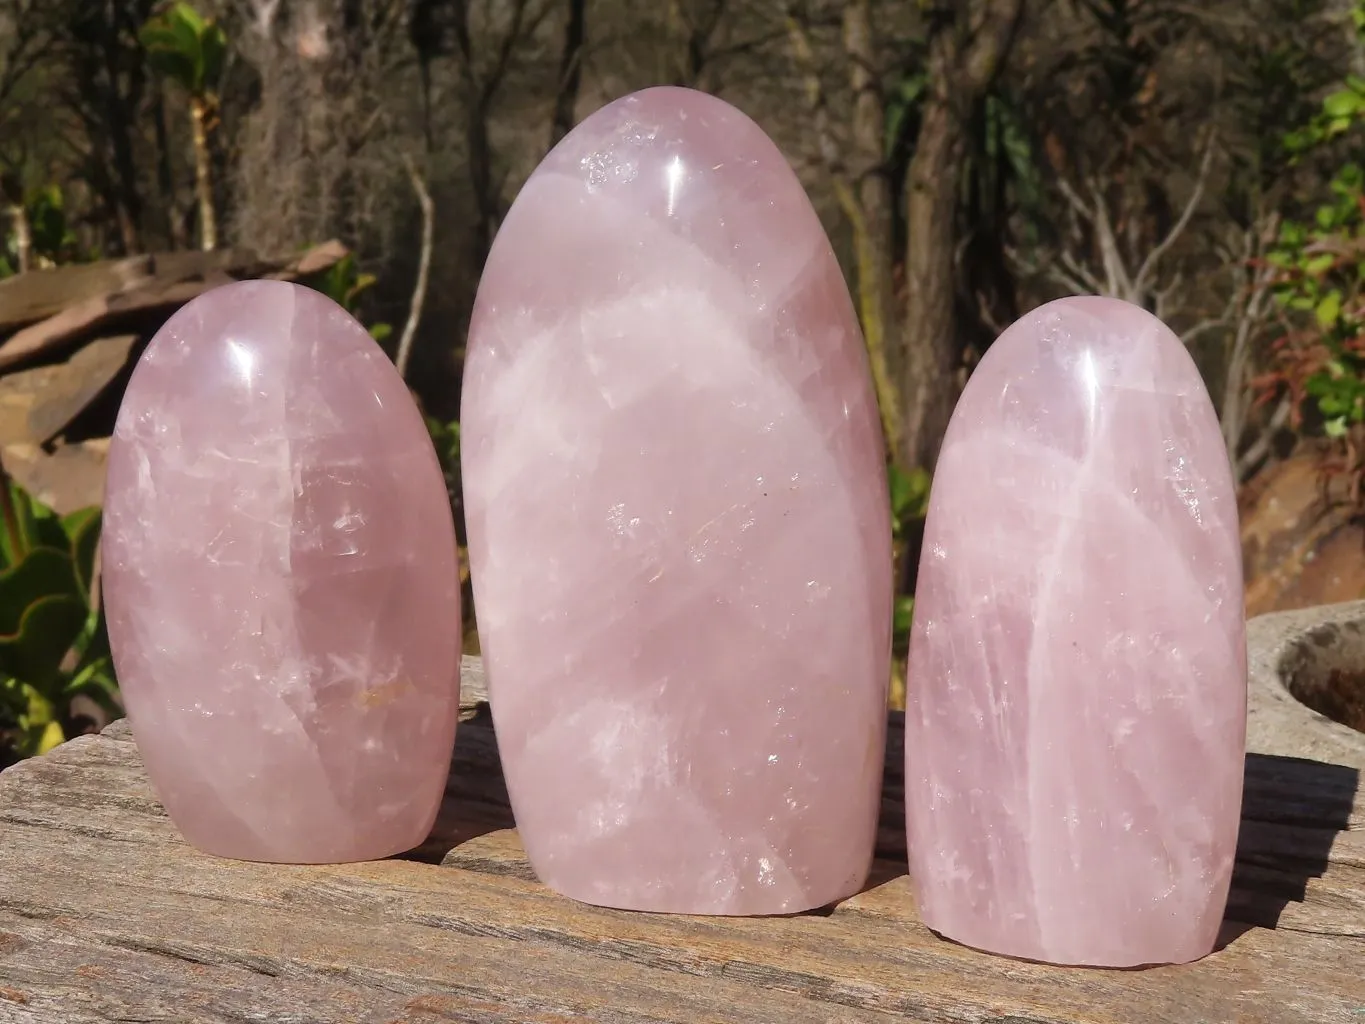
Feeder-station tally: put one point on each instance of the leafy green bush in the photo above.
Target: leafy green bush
(53, 643)
(1319, 286)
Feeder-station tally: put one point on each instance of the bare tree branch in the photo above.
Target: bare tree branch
(1149, 264)
(419, 291)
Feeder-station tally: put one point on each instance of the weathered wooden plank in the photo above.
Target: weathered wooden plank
(106, 915)
(174, 282)
(79, 382)
(27, 298)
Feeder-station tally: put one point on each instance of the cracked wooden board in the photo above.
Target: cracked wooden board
(105, 914)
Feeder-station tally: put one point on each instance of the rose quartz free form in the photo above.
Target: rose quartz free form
(281, 583)
(678, 522)
(1077, 679)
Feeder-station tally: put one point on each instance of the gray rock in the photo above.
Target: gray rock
(1295, 653)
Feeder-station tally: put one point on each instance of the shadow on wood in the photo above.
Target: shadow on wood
(106, 914)
(1294, 814)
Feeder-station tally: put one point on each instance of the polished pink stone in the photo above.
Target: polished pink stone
(678, 521)
(280, 576)
(1077, 679)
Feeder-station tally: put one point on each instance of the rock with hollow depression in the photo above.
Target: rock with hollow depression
(678, 521)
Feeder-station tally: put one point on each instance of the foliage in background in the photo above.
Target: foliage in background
(53, 644)
(1319, 285)
(45, 230)
(345, 283)
(909, 505)
(446, 438)
(191, 50)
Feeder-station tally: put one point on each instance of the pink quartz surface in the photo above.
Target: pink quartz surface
(678, 521)
(1077, 680)
(280, 576)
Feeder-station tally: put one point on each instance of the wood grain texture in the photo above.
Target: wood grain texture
(106, 915)
(27, 298)
(136, 289)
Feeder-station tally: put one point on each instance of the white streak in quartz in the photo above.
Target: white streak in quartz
(678, 528)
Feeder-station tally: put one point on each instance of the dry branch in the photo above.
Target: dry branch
(1096, 259)
(419, 291)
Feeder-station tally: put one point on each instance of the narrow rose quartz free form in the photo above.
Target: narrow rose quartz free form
(678, 522)
(1077, 680)
(280, 578)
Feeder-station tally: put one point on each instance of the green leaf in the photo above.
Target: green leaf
(1329, 310)
(42, 613)
(51, 736)
(1335, 427)
(82, 528)
(902, 106)
(213, 56)
(381, 332)
(167, 55)
(186, 47)
(1319, 264)
(185, 14)
(909, 494)
(37, 525)
(903, 616)
(1341, 104)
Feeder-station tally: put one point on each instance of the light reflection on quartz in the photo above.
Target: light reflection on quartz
(673, 173)
(1090, 378)
(243, 360)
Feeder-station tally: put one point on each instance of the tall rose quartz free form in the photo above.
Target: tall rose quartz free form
(281, 583)
(1077, 679)
(678, 521)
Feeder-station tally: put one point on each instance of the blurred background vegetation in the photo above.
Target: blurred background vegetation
(970, 159)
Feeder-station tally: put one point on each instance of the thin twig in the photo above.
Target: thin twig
(419, 291)
(1178, 228)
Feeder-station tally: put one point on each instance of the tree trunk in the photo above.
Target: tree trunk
(570, 71)
(872, 188)
(966, 52)
(857, 175)
(165, 177)
(203, 174)
(121, 95)
(932, 349)
(480, 156)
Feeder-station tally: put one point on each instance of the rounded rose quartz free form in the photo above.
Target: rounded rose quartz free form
(678, 521)
(280, 580)
(1076, 719)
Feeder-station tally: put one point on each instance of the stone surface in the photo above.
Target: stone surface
(678, 521)
(281, 582)
(1299, 550)
(1295, 656)
(68, 478)
(1077, 680)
